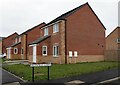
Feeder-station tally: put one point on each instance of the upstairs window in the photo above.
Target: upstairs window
(118, 40)
(44, 50)
(19, 39)
(55, 28)
(16, 40)
(45, 31)
(55, 50)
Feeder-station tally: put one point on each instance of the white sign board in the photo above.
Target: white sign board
(70, 53)
(38, 65)
(75, 53)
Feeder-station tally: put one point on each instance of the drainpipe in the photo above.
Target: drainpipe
(65, 43)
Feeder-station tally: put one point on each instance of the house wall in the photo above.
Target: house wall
(86, 35)
(112, 47)
(111, 41)
(18, 55)
(8, 41)
(56, 38)
(112, 55)
(28, 38)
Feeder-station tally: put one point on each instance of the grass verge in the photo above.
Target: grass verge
(59, 71)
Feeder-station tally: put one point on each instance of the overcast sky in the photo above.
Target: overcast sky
(21, 15)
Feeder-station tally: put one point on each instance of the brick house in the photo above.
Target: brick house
(76, 36)
(1, 38)
(113, 45)
(7, 42)
(19, 49)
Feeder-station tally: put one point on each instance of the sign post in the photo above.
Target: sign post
(32, 74)
(39, 65)
(48, 72)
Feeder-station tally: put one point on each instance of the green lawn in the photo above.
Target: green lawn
(59, 71)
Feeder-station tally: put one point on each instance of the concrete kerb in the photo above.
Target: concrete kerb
(13, 83)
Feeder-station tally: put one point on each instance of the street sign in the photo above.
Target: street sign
(38, 65)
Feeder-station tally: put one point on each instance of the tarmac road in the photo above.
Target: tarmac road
(7, 77)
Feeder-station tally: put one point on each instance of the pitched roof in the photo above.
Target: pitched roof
(1, 38)
(40, 40)
(113, 31)
(65, 15)
(10, 35)
(15, 44)
(32, 28)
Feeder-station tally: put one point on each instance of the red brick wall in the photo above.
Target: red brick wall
(47, 43)
(111, 40)
(85, 33)
(54, 39)
(29, 37)
(6, 42)
(18, 55)
(112, 52)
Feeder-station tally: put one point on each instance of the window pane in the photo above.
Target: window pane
(55, 51)
(44, 50)
(55, 28)
(45, 31)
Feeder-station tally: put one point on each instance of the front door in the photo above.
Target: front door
(8, 53)
(34, 53)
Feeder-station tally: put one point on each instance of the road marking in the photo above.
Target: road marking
(75, 82)
(107, 81)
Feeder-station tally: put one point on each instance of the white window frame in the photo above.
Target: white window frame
(19, 39)
(55, 55)
(16, 50)
(16, 40)
(70, 54)
(118, 40)
(56, 27)
(46, 31)
(43, 51)
(75, 54)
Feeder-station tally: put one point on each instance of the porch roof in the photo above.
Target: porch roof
(40, 39)
(15, 44)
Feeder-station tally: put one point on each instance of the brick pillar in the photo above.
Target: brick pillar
(62, 44)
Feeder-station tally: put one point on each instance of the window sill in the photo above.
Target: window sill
(55, 56)
(44, 55)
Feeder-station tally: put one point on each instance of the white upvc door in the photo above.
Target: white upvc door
(34, 53)
(8, 53)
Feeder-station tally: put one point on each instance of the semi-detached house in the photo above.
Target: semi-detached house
(112, 52)
(6, 42)
(19, 48)
(76, 36)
